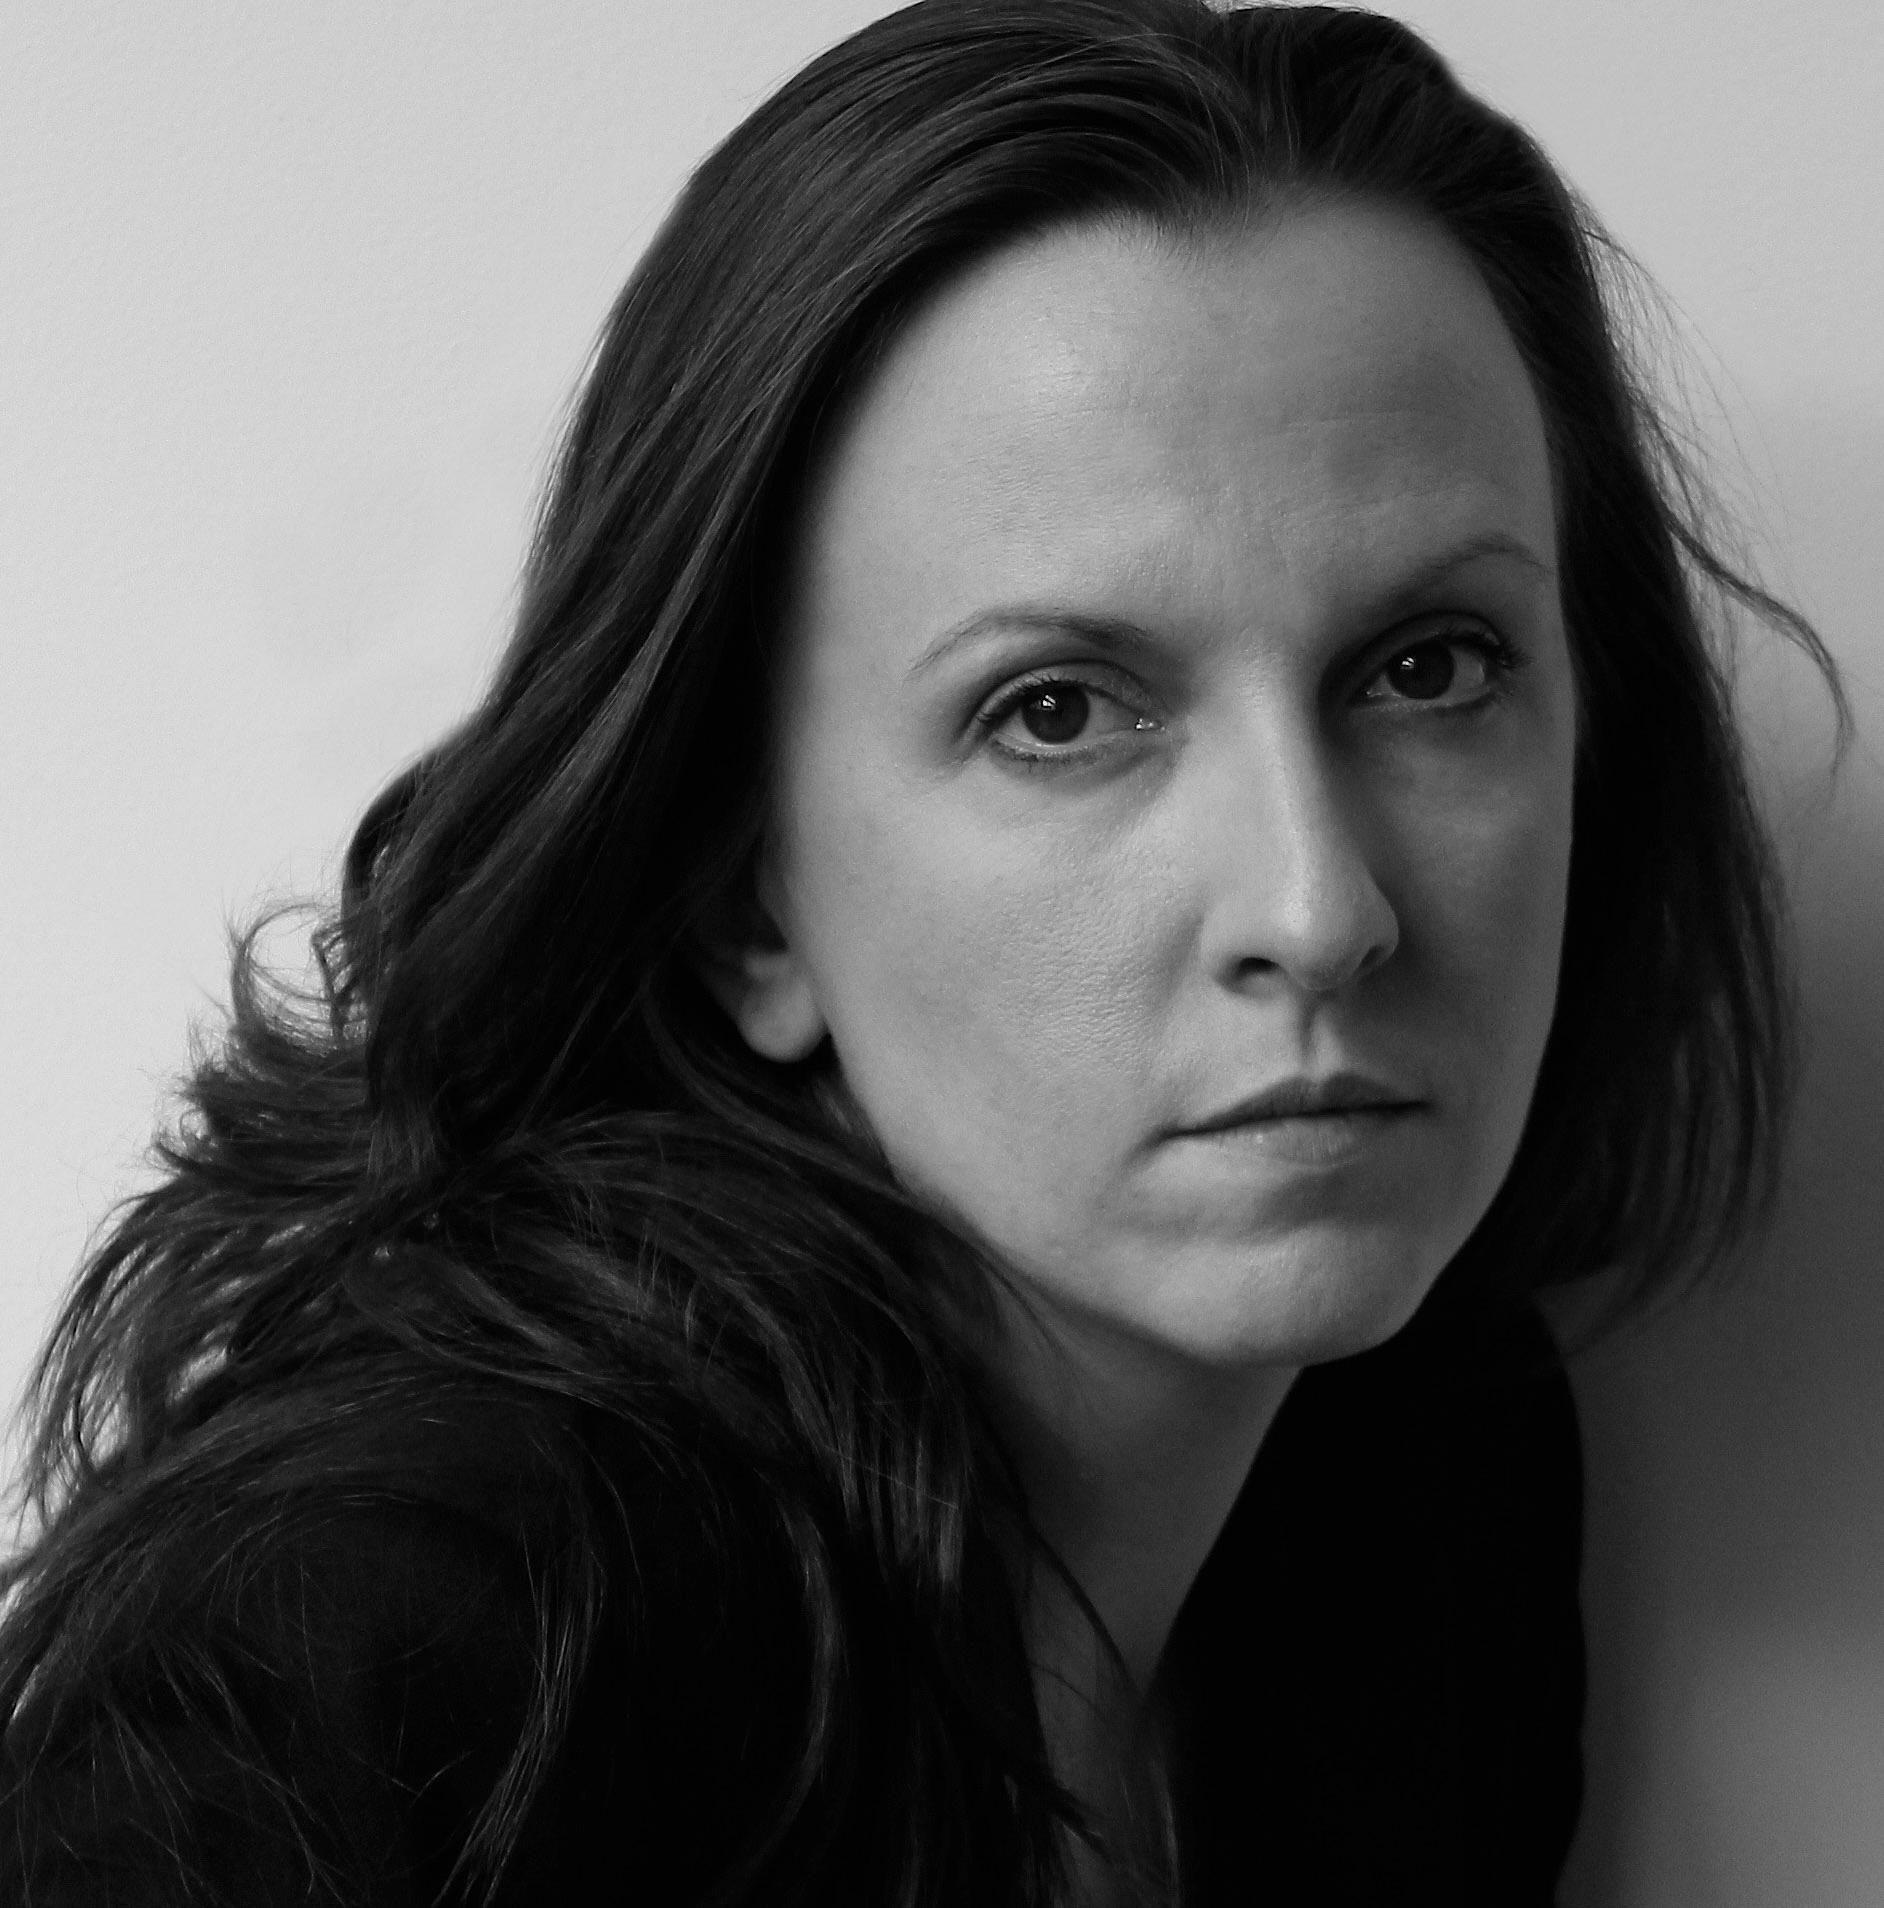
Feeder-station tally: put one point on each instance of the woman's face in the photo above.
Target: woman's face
(1172, 810)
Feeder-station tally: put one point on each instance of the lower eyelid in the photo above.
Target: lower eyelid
(1087, 745)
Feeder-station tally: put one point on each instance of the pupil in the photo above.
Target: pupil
(1423, 673)
(1057, 714)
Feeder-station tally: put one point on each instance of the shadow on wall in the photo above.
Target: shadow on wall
(1735, 1576)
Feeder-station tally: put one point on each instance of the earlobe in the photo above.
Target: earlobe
(772, 1004)
(765, 989)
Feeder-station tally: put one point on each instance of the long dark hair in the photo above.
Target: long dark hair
(509, 1148)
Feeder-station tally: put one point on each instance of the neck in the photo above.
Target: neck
(1131, 1457)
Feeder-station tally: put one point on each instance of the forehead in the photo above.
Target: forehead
(1303, 401)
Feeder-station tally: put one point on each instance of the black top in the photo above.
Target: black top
(1373, 1692)
(1380, 1671)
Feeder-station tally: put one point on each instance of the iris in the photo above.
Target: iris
(1057, 713)
(1423, 674)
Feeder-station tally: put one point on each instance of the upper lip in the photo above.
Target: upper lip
(1300, 1096)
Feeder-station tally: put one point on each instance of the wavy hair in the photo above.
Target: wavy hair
(511, 1149)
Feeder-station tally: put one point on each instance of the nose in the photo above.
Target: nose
(1295, 890)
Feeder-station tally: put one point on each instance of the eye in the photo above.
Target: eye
(1050, 717)
(1455, 668)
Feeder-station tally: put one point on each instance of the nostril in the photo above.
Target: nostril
(1317, 949)
(1377, 957)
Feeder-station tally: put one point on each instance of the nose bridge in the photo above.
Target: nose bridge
(1296, 887)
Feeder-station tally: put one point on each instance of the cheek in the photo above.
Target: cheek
(991, 993)
(1486, 929)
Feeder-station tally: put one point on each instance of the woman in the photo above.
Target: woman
(895, 1263)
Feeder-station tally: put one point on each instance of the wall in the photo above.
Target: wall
(291, 298)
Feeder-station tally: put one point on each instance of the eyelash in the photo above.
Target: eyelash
(990, 718)
(1501, 659)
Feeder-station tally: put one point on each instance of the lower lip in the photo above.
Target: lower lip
(1313, 1139)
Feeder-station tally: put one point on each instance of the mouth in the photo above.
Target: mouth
(1334, 1097)
(1328, 1121)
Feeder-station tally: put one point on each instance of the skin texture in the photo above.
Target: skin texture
(1033, 971)
(1253, 494)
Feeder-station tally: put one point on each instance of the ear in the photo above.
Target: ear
(749, 966)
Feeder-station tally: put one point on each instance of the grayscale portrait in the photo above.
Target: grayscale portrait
(943, 956)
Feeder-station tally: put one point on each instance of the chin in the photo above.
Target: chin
(1305, 1308)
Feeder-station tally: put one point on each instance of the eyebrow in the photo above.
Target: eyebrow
(1120, 632)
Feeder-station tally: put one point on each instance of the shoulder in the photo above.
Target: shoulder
(347, 1687)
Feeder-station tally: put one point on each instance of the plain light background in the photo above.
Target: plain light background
(290, 299)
